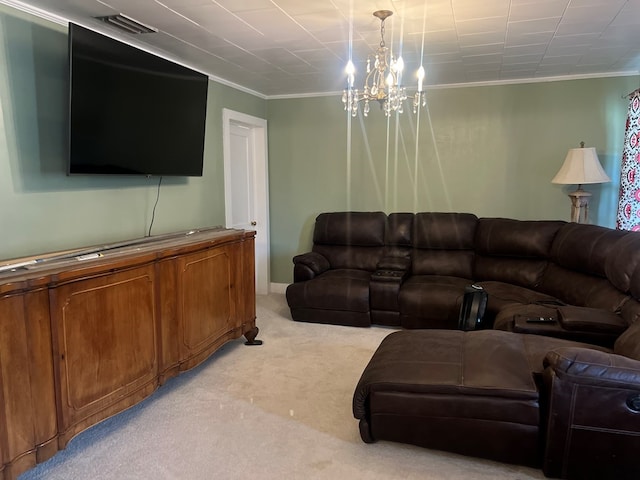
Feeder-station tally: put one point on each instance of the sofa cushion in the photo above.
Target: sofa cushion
(444, 231)
(364, 229)
(339, 289)
(515, 238)
(350, 240)
(457, 263)
(525, 272)
(467, 392)
(359, 258)
(623, 264)
(584, 248)
(431, 301)
(443, 244)
(581, 289)
(502, 295)
(451, 362)
(513, 251)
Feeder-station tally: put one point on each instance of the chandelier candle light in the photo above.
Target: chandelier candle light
(382, 83)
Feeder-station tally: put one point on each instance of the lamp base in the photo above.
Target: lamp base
(580, 205)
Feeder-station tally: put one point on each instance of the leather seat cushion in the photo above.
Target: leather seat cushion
(501, 295)
(430, 295)
(452, 362)
(342, 289)
(438, 389)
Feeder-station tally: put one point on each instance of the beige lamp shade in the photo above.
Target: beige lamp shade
(581, 166)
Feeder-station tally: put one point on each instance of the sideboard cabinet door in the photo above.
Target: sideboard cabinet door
(208, 299)
(105, 347)
(28, 428)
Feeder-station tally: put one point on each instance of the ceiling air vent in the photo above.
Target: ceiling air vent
(127, 24)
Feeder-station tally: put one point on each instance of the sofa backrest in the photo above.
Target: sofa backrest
(622, 265)
(622, 268)
(350, 239)
(443, 244)
(513, 251)
(577, 272)
(584, 248)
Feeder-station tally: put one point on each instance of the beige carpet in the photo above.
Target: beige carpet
(279, 411)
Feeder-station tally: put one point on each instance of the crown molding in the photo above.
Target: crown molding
(38, 12)
(516, 81)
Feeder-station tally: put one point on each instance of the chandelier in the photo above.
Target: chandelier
(382, 83)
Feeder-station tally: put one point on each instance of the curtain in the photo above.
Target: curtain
(628, 217)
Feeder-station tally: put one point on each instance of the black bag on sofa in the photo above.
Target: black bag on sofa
(473, 306)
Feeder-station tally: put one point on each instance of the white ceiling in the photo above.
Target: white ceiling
(299, 47)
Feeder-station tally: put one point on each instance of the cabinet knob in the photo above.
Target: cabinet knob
(253, 224)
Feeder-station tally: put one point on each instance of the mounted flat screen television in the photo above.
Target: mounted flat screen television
(132, 112)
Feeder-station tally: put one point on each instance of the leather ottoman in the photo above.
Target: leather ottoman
(471, 393)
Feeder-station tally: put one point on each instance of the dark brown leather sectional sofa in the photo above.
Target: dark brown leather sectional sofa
(564, 396)
(410, 270)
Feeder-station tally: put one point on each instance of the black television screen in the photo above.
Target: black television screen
(132, 112)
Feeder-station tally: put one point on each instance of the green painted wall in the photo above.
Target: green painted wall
(489, 150)
(42, 209)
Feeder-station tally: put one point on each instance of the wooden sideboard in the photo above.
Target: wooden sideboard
(87, 334)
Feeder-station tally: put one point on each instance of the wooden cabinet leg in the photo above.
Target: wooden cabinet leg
(251, 337)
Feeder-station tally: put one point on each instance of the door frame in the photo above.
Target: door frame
(258, 128)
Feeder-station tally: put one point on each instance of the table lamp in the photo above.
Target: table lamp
(580, 166)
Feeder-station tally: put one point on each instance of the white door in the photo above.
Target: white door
(246, 184)
(242, 175)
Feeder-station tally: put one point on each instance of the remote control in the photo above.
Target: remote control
(541, 320)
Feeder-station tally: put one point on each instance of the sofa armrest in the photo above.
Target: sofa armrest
(590, 414)
(593, 367)
(309, 265)
(586, 319)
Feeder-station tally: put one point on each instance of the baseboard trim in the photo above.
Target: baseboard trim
(278, 287)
